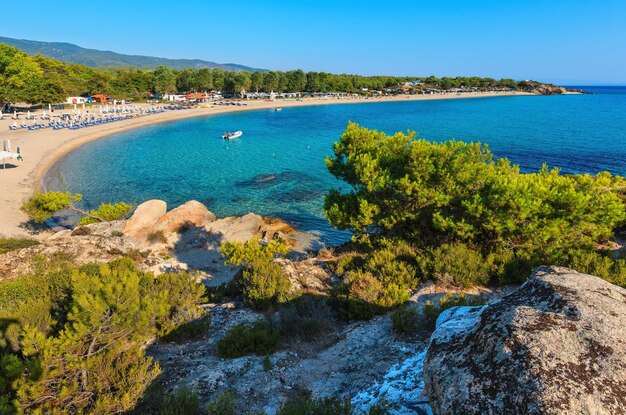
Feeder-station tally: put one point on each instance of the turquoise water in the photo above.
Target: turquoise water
(277, 167)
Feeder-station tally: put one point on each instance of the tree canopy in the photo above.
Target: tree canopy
(38, 79)
(428, 194)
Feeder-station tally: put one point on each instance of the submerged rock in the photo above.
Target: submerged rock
(557, 345)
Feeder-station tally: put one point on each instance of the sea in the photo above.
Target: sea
(277, 167)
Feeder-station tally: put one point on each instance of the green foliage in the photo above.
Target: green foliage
(263, 282)
(432, 311)
(599, 264)
(259, 338)
(405, 320)
(157, 236)
(308, 318)
(42, 206)
(184, 401)
(79, 333)
(455, 194)
(458, 265)
(225, 404)
(193, 330)
(238, 253)
(306, 405)
(107, 212)
(14, 244)
(377, 280)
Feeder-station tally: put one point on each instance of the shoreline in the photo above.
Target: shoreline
(42, 149)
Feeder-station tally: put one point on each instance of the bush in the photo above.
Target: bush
(81, 332)
(357, 297)
(193, 330)
(184, 401)
(13, 244)
(308, 318)
(599, 264)
(405, 320)
(458, 265)
(304, 405)
(428, 194)
(157, 237)
(263, 282)
(259, 338)
(432, 311)
(225, 404)
(107, 212)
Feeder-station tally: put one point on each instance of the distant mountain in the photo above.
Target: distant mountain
(70, 53)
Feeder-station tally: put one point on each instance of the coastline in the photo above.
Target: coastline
(41, 149)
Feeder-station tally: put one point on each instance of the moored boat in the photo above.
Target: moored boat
(230, 136)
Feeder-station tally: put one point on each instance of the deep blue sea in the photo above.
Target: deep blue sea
(277, 167)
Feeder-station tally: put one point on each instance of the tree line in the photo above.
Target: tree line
(38, 79)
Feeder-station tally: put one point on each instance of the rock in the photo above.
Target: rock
(190, 214)
(236, 228)
(555, 346)
(144, 217)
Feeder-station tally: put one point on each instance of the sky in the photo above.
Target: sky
(571, 42)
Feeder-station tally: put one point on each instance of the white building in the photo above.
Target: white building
(76, 100)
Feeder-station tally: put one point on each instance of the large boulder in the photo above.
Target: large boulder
(557, 345)
(144, 217)
(190, 214)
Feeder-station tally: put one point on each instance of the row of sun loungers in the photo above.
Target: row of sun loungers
(76, 122)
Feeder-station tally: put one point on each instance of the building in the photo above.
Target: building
(99, 98)
(76, 100)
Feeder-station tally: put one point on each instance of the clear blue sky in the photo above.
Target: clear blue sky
(568, 41)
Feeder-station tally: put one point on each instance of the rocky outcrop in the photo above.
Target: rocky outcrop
(192, 213)
(555, 346)
(144, 217)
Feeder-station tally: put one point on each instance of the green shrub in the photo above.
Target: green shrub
(117, 234)
(405, 319)
(184, 401)
(225, 404)
(357, 297)
(13, 244)
(157, 237)
(259, 338)
(193, 330)
(307, 317)
(107, 212)
(458, 265)
(80, 334)
(433, 193)
(263, 282)
(599, 264)
(304, 405)
(432, 311)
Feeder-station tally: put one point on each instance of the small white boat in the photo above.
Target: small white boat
(278, 109)
(230, 136)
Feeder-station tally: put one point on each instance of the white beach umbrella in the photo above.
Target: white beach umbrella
(8, 155)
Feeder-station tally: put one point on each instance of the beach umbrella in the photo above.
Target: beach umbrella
(8, 155)
(49, 108)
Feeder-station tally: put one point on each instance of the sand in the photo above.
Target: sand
(42, 148)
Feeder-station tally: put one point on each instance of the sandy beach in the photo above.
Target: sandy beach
(42, 148)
